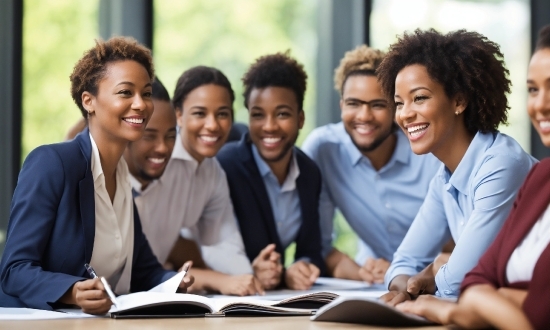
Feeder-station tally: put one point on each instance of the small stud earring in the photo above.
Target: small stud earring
(457, 112)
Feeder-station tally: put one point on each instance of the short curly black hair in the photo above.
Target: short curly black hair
(276, 70)
(543, 40)
(91, 68)
(463, 62)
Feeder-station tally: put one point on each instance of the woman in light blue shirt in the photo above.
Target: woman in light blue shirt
(450, 96)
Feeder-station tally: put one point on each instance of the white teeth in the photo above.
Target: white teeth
(364, 129)
(134, 120)
(157, 160)
(417, 130)
(412, 129)
(545, 124)
(209, 138)
(271, 140)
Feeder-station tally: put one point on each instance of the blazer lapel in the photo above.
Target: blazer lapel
(86, 189)
(260, 193)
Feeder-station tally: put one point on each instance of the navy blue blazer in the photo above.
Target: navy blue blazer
(52, 226)
(253, 209)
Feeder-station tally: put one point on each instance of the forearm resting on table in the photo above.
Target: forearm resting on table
(339, 265)
(482, 306)
(207, 280)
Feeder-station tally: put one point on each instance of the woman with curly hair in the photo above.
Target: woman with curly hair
(509, 288)
(73, 202)
(450, 96)
(366, 149)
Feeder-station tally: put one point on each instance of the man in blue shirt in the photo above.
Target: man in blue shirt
(275, 187)
(369, 171)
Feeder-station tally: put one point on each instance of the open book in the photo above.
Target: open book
(159, 304)
(367, 311)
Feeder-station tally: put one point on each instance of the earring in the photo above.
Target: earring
(457, 112)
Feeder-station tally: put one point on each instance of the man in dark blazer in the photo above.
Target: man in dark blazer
(274, 186)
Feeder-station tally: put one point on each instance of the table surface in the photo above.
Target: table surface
(227, 323)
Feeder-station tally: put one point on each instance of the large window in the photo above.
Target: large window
(55, 34)
(505, 22)
(230, 35)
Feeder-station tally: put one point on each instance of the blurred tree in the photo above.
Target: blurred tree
(55, 34)
(230, 35)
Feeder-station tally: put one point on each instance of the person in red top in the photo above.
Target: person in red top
(509, 288)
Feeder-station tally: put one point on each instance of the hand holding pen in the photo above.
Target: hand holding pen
(90, 295)
(187, 280)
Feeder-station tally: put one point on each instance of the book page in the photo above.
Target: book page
(171, 285)
(144, 299)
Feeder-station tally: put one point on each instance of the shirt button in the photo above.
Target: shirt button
(388, 206)
(462, 223)
(447, 292)
(117, 236)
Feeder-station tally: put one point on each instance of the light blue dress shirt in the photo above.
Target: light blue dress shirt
(378, 205)
(469, 205)
(284, 199)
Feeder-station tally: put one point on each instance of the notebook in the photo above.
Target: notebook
(368, 311)
(162, 304)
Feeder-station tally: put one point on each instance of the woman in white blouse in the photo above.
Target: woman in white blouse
(73, 202)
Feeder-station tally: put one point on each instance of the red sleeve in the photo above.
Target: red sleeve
(486, 272)
(536, 305)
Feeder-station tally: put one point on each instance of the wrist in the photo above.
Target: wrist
(69, 297)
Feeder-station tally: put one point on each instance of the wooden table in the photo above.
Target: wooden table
(226, 323)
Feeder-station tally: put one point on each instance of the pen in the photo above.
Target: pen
(186, 269)
(110, 292)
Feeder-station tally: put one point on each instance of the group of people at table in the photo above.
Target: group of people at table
(417, 163)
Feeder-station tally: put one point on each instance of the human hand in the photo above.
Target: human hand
(398, 291)
(187, 279)
(242, 285)
(267, 267)
(301, 275)
(373, 270)
(90, 295)
(435, 310)
(395, 297)
(422, 283)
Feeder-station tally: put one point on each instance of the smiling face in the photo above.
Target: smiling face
(366, 115)
(425, 113)
(275, 121)
(123, 104)
(148, 156)
(205, 120)
(538, 101)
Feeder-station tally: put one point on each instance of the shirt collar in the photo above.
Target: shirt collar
(136, 185)
(265, 171)
(401, 153)
(181, 153)
(97, 170)
(459, 179)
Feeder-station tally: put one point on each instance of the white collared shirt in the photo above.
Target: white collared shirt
(524, 258)
(114, 226)
(195, 197)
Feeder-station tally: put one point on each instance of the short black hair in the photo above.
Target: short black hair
(463, 62)
(276, 70)
(543, 40)
(92, 67)
(159, 91)
(198, 76)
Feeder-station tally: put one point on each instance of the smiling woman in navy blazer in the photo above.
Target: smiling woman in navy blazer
(73, 203)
